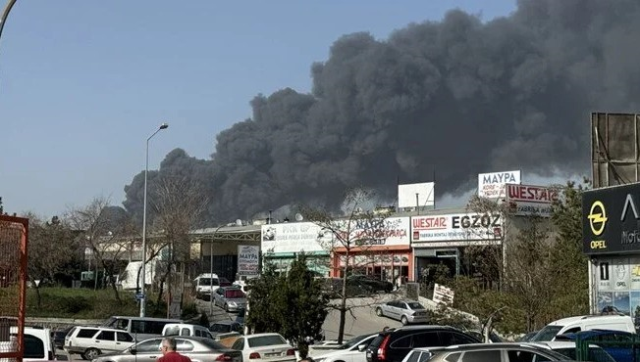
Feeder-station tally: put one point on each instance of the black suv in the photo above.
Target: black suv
(393, 345)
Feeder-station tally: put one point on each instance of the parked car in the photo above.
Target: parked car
(393, 345)
(370, 284)
(59, 335)
(90, 342)
(231, 299)
(514, 352)
(352, 350)
(620, 345)
(186, 330)
(404, 311)
(198, 349)
(205, 285)
(38, 344)
(225, 327)
(527, 337)
(265, 347)
(584, 323)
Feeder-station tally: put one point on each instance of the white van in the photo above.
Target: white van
(186, 330)
(584, 323)
(206, 285)
(140, 328)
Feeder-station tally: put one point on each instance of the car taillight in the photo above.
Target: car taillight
(291, 352)
(254, 355)
(383, 347)
(223, 357)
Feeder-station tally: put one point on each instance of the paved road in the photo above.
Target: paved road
(360, 319)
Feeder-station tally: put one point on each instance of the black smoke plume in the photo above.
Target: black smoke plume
(460, 96)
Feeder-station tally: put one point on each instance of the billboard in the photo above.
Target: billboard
(617, 283)
(456, 227)
(614, 148)
(491, 185)
(416, 195)
(611, 220)
(248, 259)
(294, 238)
(525, 200)
(376, 231)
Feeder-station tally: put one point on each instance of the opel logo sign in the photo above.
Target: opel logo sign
(597, 218)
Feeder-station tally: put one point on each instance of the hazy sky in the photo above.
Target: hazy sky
(84, 83)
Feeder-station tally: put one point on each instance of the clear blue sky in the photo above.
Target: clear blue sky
(84, 83)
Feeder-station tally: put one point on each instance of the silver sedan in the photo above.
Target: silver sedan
(405, 311)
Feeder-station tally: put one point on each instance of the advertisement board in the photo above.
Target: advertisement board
(456, 227)
(525, 200)
(248, 259)
(417, 195)
(376, 231)
(617, 284)
(610, 220)
(294, 238)
(491, 185)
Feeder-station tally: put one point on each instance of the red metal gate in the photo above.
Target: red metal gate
(14, 235)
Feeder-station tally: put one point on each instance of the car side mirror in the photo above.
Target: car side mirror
(362, 347)
(133, 351)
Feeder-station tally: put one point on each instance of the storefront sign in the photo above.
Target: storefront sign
(611, 220)
(295, 237)
(248, 259)
(526, 200)
(491, 185)
(456, 227)
(373, 232)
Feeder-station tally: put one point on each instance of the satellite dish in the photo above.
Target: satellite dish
(299, 217)
(239, 222)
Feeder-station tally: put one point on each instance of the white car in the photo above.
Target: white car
(352, 350)
(38, 345)
(90, 342)
(269, 347)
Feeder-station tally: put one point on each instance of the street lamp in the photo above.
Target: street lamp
(211, 269)
(143, 297)
(5, 14)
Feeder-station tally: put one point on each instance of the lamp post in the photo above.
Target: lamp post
(211, 269)
(5, 14)
(143, 298)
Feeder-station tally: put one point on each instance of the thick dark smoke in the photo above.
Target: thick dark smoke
(459, 96)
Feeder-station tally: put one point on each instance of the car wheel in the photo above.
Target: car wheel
(379, 312)
(404, 320)
(91, 354)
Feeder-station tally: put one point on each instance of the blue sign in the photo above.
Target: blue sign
(139, 296)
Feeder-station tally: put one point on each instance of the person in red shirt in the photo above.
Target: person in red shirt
(169, 353)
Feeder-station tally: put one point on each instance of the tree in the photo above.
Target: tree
(107, 231)
(352, 236)
(567, 258)
(50, 250)
(302, 304)
(178, 204)
(262, 316)
(528, 271)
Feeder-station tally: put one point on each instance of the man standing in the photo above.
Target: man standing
(169, 353)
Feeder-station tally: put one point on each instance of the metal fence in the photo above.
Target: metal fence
(14, 233)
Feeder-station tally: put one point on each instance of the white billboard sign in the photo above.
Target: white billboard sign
(416, 195)
(442, 294)
(456, 227)
(491, 185)
(524, 200)
(294, 238)
(248, 259)
(376, 232)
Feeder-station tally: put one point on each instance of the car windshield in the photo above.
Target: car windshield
(172, 331)
(415, 305)
(546, 334)
(353, 341)
(234, 293)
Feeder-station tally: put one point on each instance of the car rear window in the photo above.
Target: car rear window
(376, 341)
(86, 333)
(262, 341)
